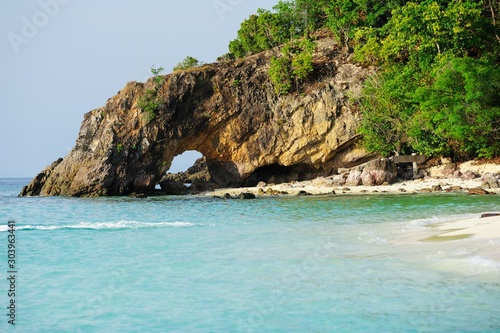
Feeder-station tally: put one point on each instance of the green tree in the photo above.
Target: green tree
(387, 109)
(438, 82)
(420, 31)
(287, 21)
(460, 108)
(346, 17)
(314, 13)
(257, 33)
(301, 53)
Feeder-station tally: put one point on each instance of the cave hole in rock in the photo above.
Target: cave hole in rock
(184, 161)
(187, 175)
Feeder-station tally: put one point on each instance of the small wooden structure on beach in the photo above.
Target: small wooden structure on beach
(406, 161)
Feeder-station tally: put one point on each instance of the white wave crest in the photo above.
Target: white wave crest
(102, 226)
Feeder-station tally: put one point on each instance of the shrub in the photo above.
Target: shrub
(150, 103)
(294, 65)
(188, 62)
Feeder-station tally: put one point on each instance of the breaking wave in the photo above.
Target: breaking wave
(120, 225)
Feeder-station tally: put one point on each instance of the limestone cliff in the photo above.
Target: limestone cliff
(229, 112)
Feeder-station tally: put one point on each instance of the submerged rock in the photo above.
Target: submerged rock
(246, 196)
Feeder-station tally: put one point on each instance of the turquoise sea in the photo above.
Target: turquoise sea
(289, 264)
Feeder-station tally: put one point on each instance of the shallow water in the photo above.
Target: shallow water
(301, 264)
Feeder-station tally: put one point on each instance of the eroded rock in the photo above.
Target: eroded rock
(240, 129)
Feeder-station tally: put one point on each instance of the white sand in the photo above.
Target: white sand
(326, 186)
(485, 228)
(481, 239)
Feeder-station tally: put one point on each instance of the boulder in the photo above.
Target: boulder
(489, 215)
(246, 196)
(172, 187)
(354, 178)
(376, 172)
(449, 169)
(489, 181)
(436, 188)
(468, 175)
(478, 191)
(382, 171)
(321, 182)
(455, 188)
(340, 180)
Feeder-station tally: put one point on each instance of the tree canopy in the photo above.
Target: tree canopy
(437, 85)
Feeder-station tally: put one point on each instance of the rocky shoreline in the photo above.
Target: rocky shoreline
(469, 177)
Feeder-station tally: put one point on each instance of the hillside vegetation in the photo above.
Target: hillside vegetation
(437, 87)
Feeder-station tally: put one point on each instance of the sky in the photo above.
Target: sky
(63, 58)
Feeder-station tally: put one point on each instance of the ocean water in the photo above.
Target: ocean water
(288, 264)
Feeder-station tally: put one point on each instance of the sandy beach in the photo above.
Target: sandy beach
(325, 185)
(438, 180)
(483, 227)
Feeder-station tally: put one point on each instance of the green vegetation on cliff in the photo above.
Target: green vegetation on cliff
(188, 62)
(294, 64)
(150, 102)
(437, 85)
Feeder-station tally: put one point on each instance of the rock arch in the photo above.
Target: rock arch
(228, 112)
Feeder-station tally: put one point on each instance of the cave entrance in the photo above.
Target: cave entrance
(188, 174)
(276, 174)
(184, 161)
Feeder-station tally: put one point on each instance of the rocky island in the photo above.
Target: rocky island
(227, 111)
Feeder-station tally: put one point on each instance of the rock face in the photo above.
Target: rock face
(227, 111)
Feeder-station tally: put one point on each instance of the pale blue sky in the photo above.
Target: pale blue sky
(62, 58)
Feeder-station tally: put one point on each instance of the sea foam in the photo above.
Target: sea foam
(102, 226)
